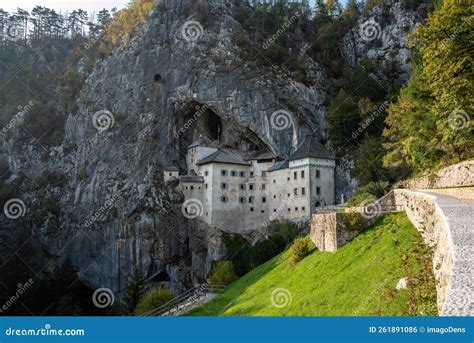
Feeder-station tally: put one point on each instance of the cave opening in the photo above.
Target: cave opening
(157, 78)
(161, 280)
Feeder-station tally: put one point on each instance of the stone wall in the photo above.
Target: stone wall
(456, 175)
(446, 226)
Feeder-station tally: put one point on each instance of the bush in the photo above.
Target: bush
(352, 221)
(299, 249)
(222, 274)
(246, 257)
(152, 300)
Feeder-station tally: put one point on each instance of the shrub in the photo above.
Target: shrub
(299, 249)
(152, 300)
(222, 274)
(352, 221)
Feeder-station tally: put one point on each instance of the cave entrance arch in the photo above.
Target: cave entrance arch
(161, 280)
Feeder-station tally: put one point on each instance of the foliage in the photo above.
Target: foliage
(134, 292)
(358, 279)
(352, 221)
(369, 193)
(127, 22)
(299, 249)
(153, 299)
(430, 125)
(245, 257)
(222, 273)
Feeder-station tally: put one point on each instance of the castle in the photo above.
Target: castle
(243, 191)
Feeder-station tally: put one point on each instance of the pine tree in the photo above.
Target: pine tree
(134, 292)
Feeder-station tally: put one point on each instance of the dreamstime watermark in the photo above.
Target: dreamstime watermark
(192, 208)
(370, 30)
(281, 297)
(281, 120)
(467, 21)
(18, 117)
(365, 123)
(102, 210)
(370, 209)
(13, 299)
(277, 213)
(103, 297)
(13, 33)
(103, 120)
(200, 110)
(192, 30)
(286, 25)
(370, 298)
(46, 331)
(14, 208)
(458, 120)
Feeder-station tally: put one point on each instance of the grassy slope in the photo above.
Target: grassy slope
(359, 279)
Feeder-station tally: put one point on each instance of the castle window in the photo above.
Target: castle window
(302, 208)
(191, 187)
(274, 181)
(264, 199)
(289, 209)
(242, 187)
(318, 173)
(199, 187)
(206, 185)
(274, 210)
(242, 174)
(318, 190)
(251, 174)
(302, 174)
(224, 172)
(251, 186)
(262, 211)
(224, 185)
(295, 175)
(295, 191)
(288, 194)
(303, 191)
(263, 186)
(288, 179)
(233, 173)
(296, 208)
(192, 161)
(251, 200)
(242, 200)
(264, 173)
(206, 173)
(274, 196)
(224, 199)
(171, 174)
(251, 209)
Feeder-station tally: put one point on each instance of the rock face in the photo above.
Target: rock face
(99, 199)
(381, 36)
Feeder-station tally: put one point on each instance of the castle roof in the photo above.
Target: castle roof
(202, 140)
(230, 156)
(279, 165)
(171, 168)
(259, 155)
(312, 148)
(190, 178)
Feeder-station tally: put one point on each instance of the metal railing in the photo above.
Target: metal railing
(180, 301)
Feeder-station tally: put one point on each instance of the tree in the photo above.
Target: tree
(134, 292)
(430, 124)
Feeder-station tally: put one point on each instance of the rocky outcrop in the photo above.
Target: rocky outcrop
(381, 36)
(99, 200)
(456, 175)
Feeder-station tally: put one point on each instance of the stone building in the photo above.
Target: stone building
(243, 191)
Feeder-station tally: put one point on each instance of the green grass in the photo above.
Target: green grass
(358, 279)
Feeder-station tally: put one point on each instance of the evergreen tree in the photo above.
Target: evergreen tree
(134, 292)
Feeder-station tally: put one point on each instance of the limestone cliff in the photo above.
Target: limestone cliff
(107, 208)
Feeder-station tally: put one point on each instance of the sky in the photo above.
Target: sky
(63, 5)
